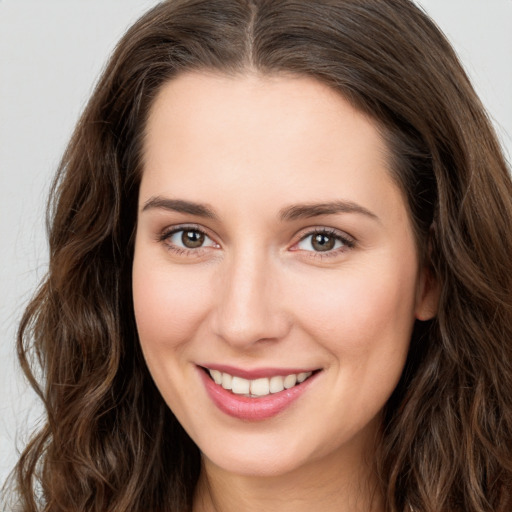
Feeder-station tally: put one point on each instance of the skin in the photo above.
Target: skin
(258, 294)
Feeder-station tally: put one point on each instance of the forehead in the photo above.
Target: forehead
(277, 136)
(280, 100)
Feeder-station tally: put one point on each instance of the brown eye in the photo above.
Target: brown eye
(322, 242)
(326, 241)
(187, 241)
(191, 239)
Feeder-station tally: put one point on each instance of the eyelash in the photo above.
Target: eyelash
(183, 251)
(347, 241)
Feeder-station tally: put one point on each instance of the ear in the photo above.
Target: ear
(427, 298)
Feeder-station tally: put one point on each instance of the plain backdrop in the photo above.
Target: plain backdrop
(51, 53)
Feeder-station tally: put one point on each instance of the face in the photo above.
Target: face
(274, 256)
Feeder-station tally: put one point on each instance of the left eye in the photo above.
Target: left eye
(189, 238)
(322, 241)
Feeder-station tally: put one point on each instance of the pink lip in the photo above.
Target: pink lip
(256, 373)
(253, 409)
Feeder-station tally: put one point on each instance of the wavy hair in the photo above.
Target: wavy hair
(110, 443)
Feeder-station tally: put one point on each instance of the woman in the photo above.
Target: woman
(279, 272)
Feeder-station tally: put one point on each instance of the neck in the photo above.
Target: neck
(324, 485)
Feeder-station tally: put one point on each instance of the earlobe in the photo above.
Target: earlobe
(428, 295)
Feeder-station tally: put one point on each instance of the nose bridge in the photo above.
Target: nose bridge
(248, 310)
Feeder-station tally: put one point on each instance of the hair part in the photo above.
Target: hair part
(110, 442)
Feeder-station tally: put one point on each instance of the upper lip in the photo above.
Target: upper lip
(256, 373)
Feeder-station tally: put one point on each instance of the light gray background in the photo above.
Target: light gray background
(51, 53)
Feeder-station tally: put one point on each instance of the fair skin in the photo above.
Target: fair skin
(235, 271)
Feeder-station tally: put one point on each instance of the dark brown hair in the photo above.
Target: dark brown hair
(110, 442)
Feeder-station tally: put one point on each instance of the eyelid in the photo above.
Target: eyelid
(348, 241)
(166, 233)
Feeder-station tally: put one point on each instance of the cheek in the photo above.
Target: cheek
(364, 321)
(356, 313)
(168, 305)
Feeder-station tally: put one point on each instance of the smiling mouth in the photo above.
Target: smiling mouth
(257, 388)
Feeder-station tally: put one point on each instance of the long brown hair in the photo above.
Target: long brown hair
(110, 442)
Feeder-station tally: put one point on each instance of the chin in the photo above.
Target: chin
(266, 458)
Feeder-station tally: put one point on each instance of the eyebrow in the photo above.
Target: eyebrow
(289, 213)
(180, 206)
(309, 210)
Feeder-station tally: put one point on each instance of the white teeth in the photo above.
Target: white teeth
(216, 376)
(290, 381)
(240, 386)
(226, 381)
(260, 387)
(276, 384)
(257, 387)
(301, 377)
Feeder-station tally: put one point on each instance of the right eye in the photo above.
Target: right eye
(185, 239)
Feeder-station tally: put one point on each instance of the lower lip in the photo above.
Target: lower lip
(253, 409)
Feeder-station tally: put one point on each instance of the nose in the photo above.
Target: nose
(249, 307)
